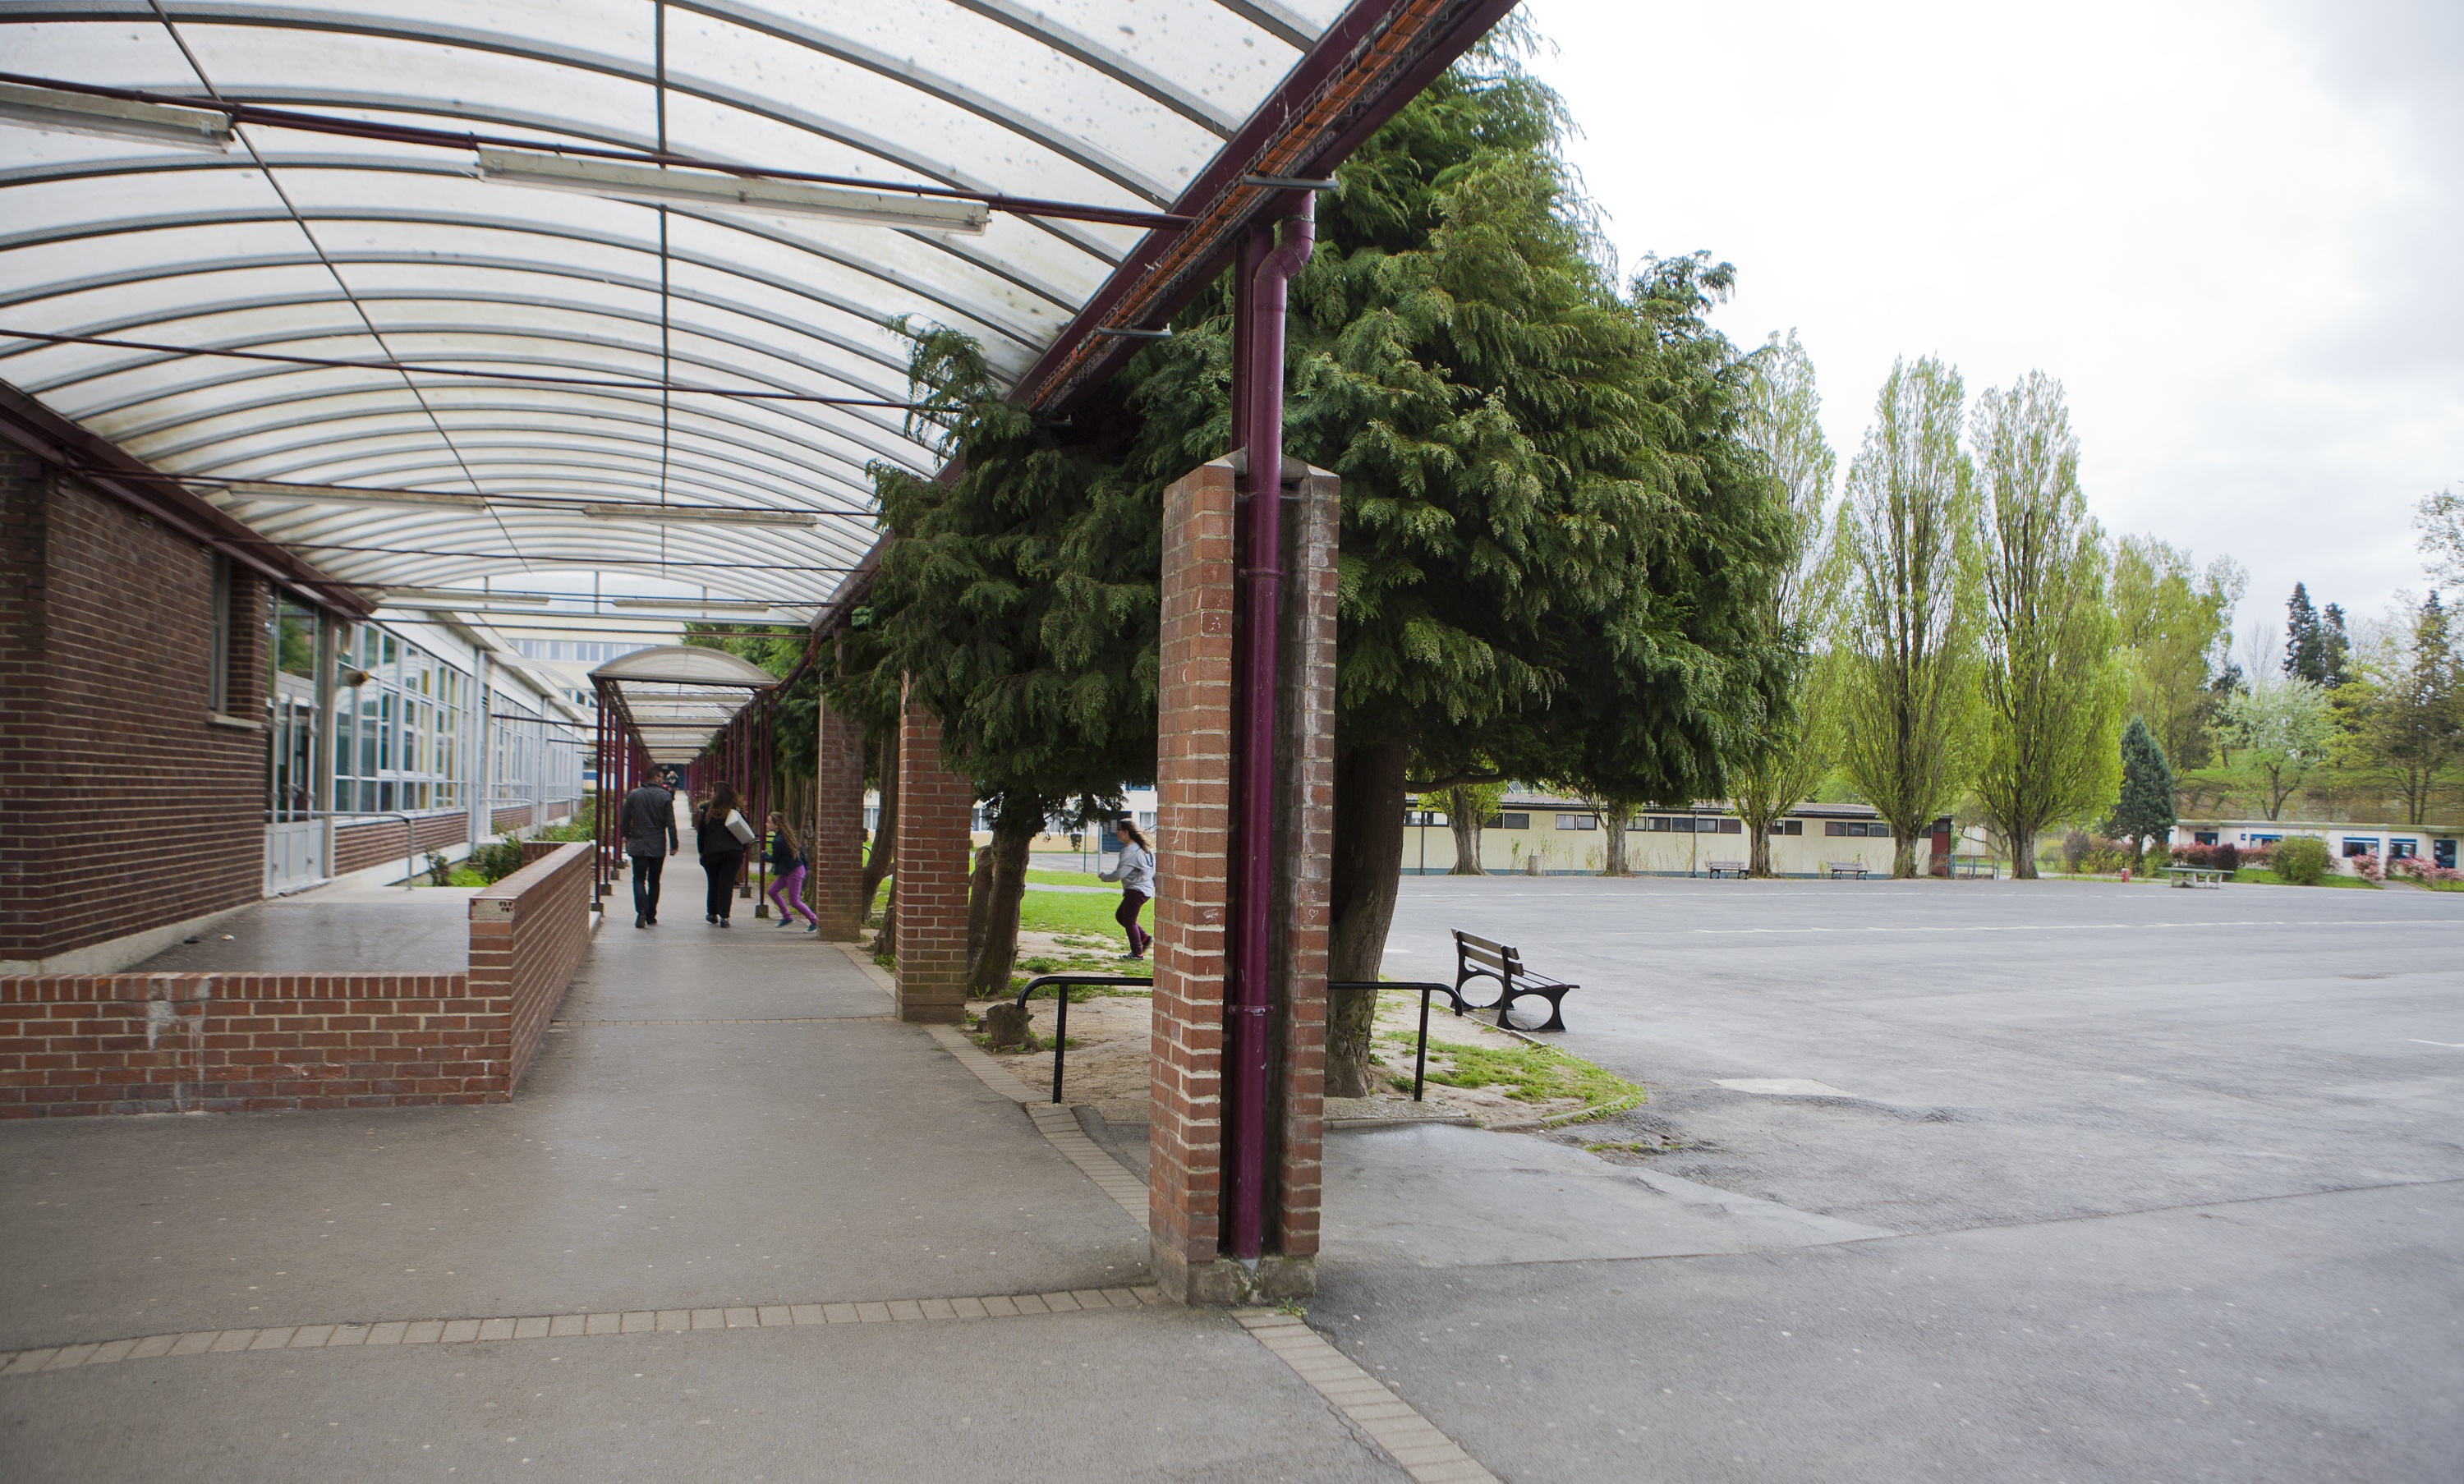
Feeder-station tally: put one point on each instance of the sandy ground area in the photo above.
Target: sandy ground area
(1111, 1038)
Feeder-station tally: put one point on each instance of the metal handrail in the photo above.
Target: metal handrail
(1061, 1017)
(409, 832)
(1428, 987)
(1060, 1025)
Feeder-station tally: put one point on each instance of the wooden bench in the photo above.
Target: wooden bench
(1715, 869)
(1478, 958)
(1835, 869)
(2195, 875)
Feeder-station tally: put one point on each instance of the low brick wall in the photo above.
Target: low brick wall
(83, 1044)
(528, 934)
(359, 846)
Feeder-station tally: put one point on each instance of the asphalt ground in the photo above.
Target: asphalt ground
(2173, 1177)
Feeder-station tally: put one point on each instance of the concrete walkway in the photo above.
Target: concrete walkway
(818, 1244)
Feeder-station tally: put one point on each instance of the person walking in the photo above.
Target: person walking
(720, 834)
(787, 875)
(649, 821)
(1137, 875)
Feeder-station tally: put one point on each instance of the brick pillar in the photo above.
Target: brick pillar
(836, 858)
(936, 811)
(1193, 784)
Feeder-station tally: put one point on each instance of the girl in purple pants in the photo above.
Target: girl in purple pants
(1137, 875)
(787, 875)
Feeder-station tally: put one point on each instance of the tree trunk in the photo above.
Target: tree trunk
(2023, 855)
(980, 898)
(1367, 868)
(1463, 817)
(1903, 854)
(1014, 831)
(1613, 844)
(1758, 849)
(883, 856)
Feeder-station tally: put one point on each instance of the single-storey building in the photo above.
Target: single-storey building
(2433, 843)
(1564, 836)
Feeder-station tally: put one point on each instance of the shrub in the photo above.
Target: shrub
(497, 859)
(2255, 857)
(2301, 861)
(440, 871)
(2369, 867)
(2225, 858)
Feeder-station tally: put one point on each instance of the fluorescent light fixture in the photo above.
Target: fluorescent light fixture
(347, 494)
(643, 183)
(713, 515)
(694, 604)
(422, 596)
(56, 112)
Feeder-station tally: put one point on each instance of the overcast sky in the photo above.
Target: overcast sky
(2234, 232)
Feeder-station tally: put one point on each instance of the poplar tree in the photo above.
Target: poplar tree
(1907, 628)
(2054, 679)
(1791, 748)
(2176, 625)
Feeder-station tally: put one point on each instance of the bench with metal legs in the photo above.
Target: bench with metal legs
(1478, 958)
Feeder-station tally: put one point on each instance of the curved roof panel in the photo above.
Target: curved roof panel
(321, 248)
(612, 382)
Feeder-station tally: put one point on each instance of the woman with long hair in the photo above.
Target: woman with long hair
(787, 875)
(1137, 875)
(720, 834)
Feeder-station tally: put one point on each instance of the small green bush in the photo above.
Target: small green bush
(2301, 861)
(497, 860)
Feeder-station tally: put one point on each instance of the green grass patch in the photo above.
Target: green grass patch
(1075, 913)
(461, 876)
(1043, 877)
(1525, 1074)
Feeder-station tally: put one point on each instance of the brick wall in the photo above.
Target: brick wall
(835, 859)
(130, 807)
(935, 814)
(506, 821)
(1304, 859)
(1194, 783)
(1193, 828)
(528, 934)
(359, 846)
(200, 1043)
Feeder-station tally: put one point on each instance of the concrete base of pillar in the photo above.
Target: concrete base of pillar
(1227, 1282)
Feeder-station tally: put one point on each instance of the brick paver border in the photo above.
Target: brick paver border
(560, 1326)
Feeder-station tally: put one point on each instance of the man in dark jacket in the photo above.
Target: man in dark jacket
(649, 822)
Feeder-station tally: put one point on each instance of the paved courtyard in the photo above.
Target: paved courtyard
(2174, 1178)
(1968, 1181)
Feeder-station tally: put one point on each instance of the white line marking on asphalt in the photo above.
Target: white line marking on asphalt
(2277, 922)
(2449, 1046)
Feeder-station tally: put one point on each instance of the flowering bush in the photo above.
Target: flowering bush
(2195, 855)
(2367, 866)
(2441, 877)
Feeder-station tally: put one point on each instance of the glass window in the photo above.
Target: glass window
(2403, 849)
(2359, 846)
(1578, 821)
(1510, 821)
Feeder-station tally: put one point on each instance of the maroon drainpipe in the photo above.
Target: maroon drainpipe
(1253, 992)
